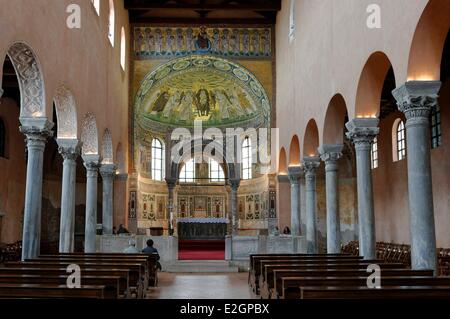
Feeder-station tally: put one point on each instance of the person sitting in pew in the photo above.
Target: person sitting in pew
(286, 231)
(122, 230)
(131, 249)
(152, 250)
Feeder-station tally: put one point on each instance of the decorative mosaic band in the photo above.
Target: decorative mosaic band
(160, 42)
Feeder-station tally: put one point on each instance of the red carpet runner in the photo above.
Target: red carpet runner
(201, 249)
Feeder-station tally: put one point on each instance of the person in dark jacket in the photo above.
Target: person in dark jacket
(152, 250)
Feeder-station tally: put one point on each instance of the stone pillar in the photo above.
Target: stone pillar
(69, 149)
(330, 153)
(91, 163)
(171, 183)
(362, 131)
(294, 173)
(416, 99)
(310, 165)
(234, 183)
(36, 130)
(108, 171)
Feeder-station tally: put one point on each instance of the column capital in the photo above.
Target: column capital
(330, 154)
(37, 130)
(310, 164)
(362, 131)
(283, 178)
(171, 181)
(234, 183)
(91, 161)
(294, 173)
(416, 99)
(69, 148)
(108, 170)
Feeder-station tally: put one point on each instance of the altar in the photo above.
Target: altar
(202, 228)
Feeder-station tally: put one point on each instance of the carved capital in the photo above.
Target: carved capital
(234, 183)
(416, 99)
(108, 171)
(362, 131)
(37, 130)
(69, 148)
(310, 165)
(171, 182)
(294, 174)
(330, 154)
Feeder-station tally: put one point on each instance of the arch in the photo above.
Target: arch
(107, 148)
(120, 158)
(282, 162)
(231, 169)
(311, 139)
(89, 135)
(66, 113)
(333, 127)
(428, 41)
(294, 152)
(111, 22)
(31, 82)
(370, 85)
(123, 52)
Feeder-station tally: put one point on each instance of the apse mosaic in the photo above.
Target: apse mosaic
(215, 91)
(157, 42)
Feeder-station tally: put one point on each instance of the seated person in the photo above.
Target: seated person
(286, 231)
(122, 230)
(131, 249)
(152, 250)
(276, 231)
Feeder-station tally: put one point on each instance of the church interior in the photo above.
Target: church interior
(229, 149)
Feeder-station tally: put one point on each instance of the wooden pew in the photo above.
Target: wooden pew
(111, 283)
(17, 290)
(255, 272)
(267, 277)
(150, 258)
(123, 274)
(282, 277)
(291, 285)
(390, 292)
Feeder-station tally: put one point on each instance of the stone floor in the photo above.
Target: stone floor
(201, 286)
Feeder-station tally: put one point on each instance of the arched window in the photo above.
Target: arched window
(157, 160)
(436, 136)
(292, 20)
(122, 48)
(247, 159)
(374, 153)
(398, 140)
(187, 173)
(111, 22)
(96, 4)
(216, 173)
(2, 138)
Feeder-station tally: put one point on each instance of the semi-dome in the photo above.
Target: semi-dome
(216, 91)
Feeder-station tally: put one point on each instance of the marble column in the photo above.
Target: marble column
(416, 99)
(294, 174)
(107, 171)
(69, 149)
(171, 183)
(330, 154)
(310, 165)
(36, 130)
(362, 132)
(234, 183)
(91, 162)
